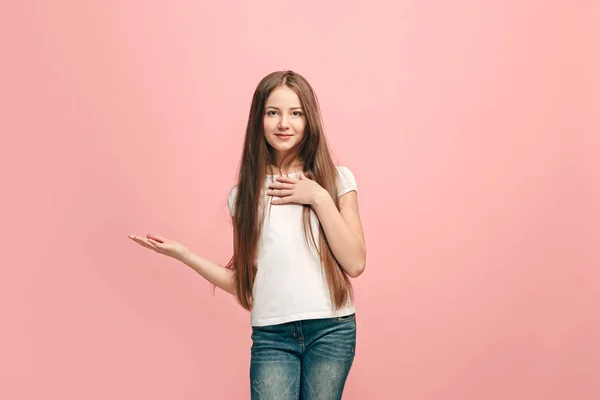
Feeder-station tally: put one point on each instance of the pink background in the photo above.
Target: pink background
(472, 128)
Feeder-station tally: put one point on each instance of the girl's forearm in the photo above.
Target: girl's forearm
(217, 275)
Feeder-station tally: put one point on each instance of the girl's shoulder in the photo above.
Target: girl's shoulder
(343, 170)
(231, 199)
(346, 180)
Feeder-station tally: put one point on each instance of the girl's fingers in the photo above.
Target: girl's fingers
(280, 193)
(282, 200)
(156, 246)
(156, 237)
(286, 179)
(278, 185)
(143, 243)
(147, 243)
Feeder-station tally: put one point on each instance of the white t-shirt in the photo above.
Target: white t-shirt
(290, 282)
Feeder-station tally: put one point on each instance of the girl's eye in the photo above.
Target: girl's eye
(294, 113)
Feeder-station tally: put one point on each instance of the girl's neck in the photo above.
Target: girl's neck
(292, 168)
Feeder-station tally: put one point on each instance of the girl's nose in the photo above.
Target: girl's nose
(283, 123)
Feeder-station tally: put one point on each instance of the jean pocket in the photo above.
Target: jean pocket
(344, 319)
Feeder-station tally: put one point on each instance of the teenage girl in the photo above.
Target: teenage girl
(298, 239)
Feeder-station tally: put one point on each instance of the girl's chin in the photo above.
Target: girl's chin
(283, 146)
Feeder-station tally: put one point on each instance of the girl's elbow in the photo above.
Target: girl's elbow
(357, 270)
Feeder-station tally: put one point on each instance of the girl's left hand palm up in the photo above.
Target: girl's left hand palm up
(295, 191)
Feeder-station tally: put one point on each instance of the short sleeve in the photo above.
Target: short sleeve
(231, 199)
(346, 181)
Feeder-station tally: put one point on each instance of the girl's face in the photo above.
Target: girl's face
(284, 121)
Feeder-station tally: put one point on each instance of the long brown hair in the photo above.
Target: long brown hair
(257, 157)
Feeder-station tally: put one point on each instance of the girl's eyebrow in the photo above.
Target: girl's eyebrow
(291, 108)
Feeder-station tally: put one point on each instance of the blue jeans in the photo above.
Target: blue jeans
(307, 360)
